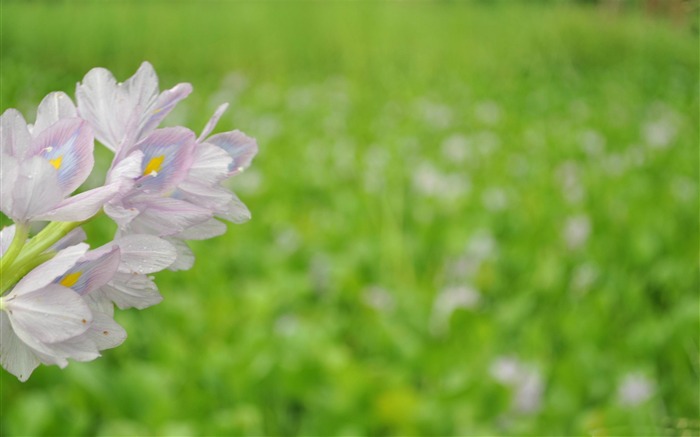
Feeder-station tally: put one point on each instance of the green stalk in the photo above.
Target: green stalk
(21, 234)
(18, 270)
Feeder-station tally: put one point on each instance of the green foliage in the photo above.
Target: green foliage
(541, 163)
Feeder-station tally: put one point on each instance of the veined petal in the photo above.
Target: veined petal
(131, 290)
(165, 103)
(214, 197)
(142, 253)
(236, 211)
(54, 107)
(72, 238)
(203, 231)
(93, 271)
(168, 154)
(15, 356)
(127, 169)
(211, 124)
(239, 146)
(9, 172)
(100, 103)
(104, 333)
(48, 315)
(164, 216)
(35, 189)
(185, 256)
(14, 134)
(45, 273)
(211, 165)
(68, 146)
(81, 206)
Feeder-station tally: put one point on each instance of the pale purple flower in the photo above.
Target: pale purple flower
(125, 113)
(40, 169)
(634, 389)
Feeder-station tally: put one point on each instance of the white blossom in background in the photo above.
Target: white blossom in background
(525, 381)
(634, 389)
(447, 301)
(576, 231)
(164, 186)
(494, 199)
(592, 142)
(457, 148)
(379, 298)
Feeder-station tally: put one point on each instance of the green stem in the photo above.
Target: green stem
(48, 236)
(18, 271)
(21, 234)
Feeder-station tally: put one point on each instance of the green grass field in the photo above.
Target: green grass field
(467, 220)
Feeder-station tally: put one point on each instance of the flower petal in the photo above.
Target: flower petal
(164, 216)
(6, 236)
(48, 315)
(15, 357)
(81, 206)
(144, 253)
(185, 256)
(239, 146)
(100, 103)
(34, 191)
(45, 273)
(67, 145)
(14, 134)
(93, 271)
(168, 154)
(211, 124)
(54, 107)
(131, 290)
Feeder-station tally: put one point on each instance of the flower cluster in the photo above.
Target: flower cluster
(164, 187)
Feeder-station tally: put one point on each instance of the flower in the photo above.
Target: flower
(41, 167)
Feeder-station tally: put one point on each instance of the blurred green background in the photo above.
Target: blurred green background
(469, 218)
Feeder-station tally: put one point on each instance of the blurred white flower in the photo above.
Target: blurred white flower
(592, 142)
(526, 381)
(436, 115)
(431, 182)
(583, 278)
(660, 134)
(378, 298)
(576, 231)
(288, 240)
(457, 148)
(449, 300)
(634, 389)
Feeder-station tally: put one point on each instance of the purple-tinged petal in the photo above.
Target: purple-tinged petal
(215, 197)
(14, 134)
(127, 169)
(81, 206)
(164, 216)
(121, 214)
(54, 107)
(45, 273)
(239, 146)
(236, 211)
(210, 166)
(48, 315)
(141, 89)
(165, 103)
(130, 290)
(203, 231)
(185, 256)
(72, 238)
(34, 191)
(91, 272)
(211, 124)
(144, 253)
(9, 172)
(168, 155)
(15, 356)
(68, 146)
(104, 333)
(101, 104)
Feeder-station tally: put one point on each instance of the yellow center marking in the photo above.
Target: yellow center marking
(154, 165)
(56, 162)
(70, 279)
